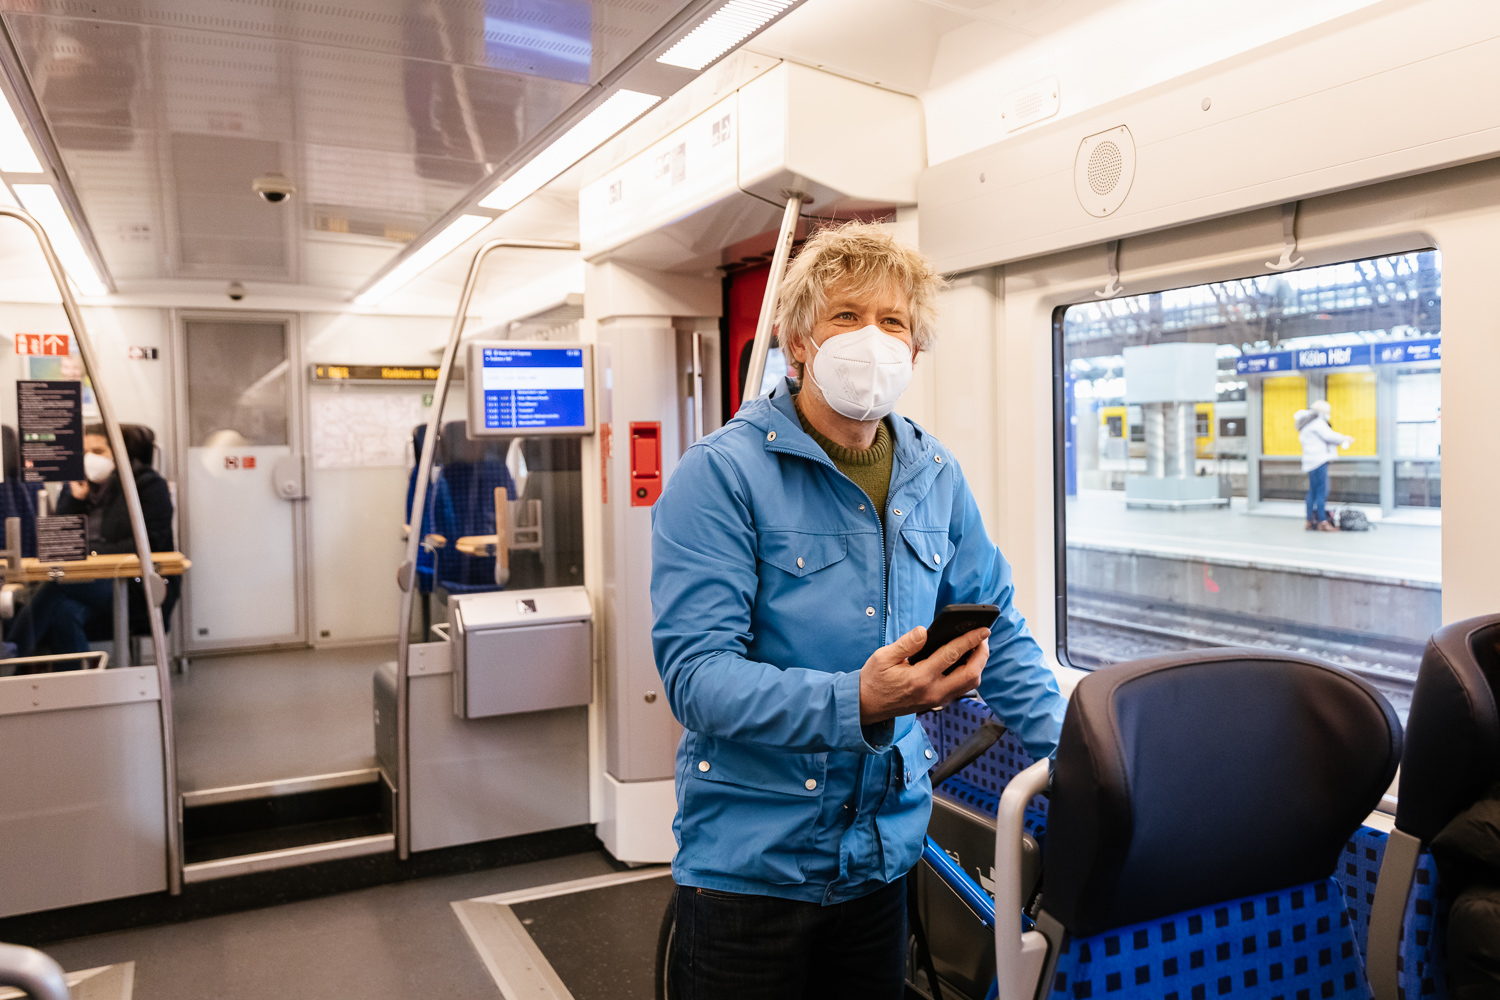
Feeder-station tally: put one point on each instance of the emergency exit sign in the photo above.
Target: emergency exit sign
(42, 343)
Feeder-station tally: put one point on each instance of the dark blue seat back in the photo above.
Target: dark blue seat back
(464, 504)
(425, 558)
(16, 498)
(1200, 805)
(1452, 757)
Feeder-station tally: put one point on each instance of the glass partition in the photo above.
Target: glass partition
(1255, 462)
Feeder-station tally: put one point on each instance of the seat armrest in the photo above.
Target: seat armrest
(1018, 957)
(1383, 944)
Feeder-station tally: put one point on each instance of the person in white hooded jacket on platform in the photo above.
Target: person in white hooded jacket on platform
(1320, 442)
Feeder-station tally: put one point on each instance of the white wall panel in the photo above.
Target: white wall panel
(1386, 92)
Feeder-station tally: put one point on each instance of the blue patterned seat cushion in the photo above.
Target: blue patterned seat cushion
(979, 785)
(1420, 963)
(1422, 970)
(1358, 871)
(1295, 944)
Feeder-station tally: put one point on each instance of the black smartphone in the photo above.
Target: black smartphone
(951, 622)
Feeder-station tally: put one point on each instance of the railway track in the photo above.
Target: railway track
(1099, 633)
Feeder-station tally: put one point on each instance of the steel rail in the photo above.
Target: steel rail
(151, 581)
(407, 573)
(762, 345)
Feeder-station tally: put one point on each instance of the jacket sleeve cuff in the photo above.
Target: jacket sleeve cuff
(871, 739)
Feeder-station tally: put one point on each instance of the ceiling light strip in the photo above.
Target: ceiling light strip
(16, 154)
(730, 25)
(42, 202)
(445, 242)
(622, 108)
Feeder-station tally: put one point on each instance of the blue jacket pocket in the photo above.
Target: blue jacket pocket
(750, 811)
(800, 552)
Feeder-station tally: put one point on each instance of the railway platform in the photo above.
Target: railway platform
(1403, 550)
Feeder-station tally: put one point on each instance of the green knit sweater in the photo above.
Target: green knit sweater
(870, 468)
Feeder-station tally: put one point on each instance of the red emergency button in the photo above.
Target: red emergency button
(645, 463)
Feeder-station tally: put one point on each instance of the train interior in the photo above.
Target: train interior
(402, 314)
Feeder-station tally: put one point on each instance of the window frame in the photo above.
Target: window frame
(1328, 257)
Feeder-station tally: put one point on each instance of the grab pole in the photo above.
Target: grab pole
(406, 575)
(762, 347)
(151, 581)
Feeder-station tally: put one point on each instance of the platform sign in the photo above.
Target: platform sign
(51, 430)
(1403, 351)
(530, 388)
(43, 343)
(1348, 356)
(1264, 364)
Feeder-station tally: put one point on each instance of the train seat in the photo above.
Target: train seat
(1200, 803)
(1451, 759)
(426, 558)
(979, 785)
(16, 500)
(464, 504)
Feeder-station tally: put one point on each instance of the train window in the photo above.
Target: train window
(1206, 423)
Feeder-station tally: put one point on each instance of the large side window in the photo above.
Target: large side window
(1255, 462)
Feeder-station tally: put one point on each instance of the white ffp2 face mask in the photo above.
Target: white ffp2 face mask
(862, 373)
(97, 467)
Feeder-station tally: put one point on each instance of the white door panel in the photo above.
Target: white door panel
(243, 548)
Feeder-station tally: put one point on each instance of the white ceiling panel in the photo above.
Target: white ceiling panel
(384, 113)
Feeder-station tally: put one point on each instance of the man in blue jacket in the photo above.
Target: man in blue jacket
(797, 555)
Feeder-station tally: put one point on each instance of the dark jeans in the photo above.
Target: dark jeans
(1317, 494)
(738, 947)
(58, 614)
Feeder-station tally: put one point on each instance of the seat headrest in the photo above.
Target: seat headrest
(456, 447)
(1195, 778)
(1453, 729)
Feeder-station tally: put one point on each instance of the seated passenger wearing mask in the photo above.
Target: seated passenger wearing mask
(57, 617)
(797, 554)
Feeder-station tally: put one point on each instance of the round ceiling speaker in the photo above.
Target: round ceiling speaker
(1104, 170)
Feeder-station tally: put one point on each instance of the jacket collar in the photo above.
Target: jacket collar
(776, 412)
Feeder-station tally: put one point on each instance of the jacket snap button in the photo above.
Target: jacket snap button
(929, 754)
(869, 612)
(800, 563)
(897, 511)
(938, 459)
(771, 436)
(703, 765)
(810, 784)
(937, 559)
(908, 777)
(861, 506)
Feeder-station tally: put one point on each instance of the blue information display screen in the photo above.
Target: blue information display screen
(532, 388)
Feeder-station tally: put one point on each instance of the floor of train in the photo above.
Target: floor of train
(273, 715)
(394, 941)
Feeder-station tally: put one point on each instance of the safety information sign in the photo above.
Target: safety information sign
(61, 538)
(51, 428)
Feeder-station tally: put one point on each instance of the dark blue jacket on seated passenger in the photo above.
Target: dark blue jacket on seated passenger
(772, 582)
(113, 534)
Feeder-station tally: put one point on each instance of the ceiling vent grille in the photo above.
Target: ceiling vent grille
(1104, 170)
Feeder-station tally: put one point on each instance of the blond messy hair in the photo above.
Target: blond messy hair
(862, 257)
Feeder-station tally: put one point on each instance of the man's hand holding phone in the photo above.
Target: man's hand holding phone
(891, 685)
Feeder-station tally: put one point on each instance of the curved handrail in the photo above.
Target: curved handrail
(151, 581)
(406, 574)
(32, 972)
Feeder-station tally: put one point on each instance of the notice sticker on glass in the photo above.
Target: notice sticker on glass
(51, 426)
(61, 538)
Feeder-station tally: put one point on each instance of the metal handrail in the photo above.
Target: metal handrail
(762, 345)
(151, 581)
(407, 573)
(93, 654)
(32, 972)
